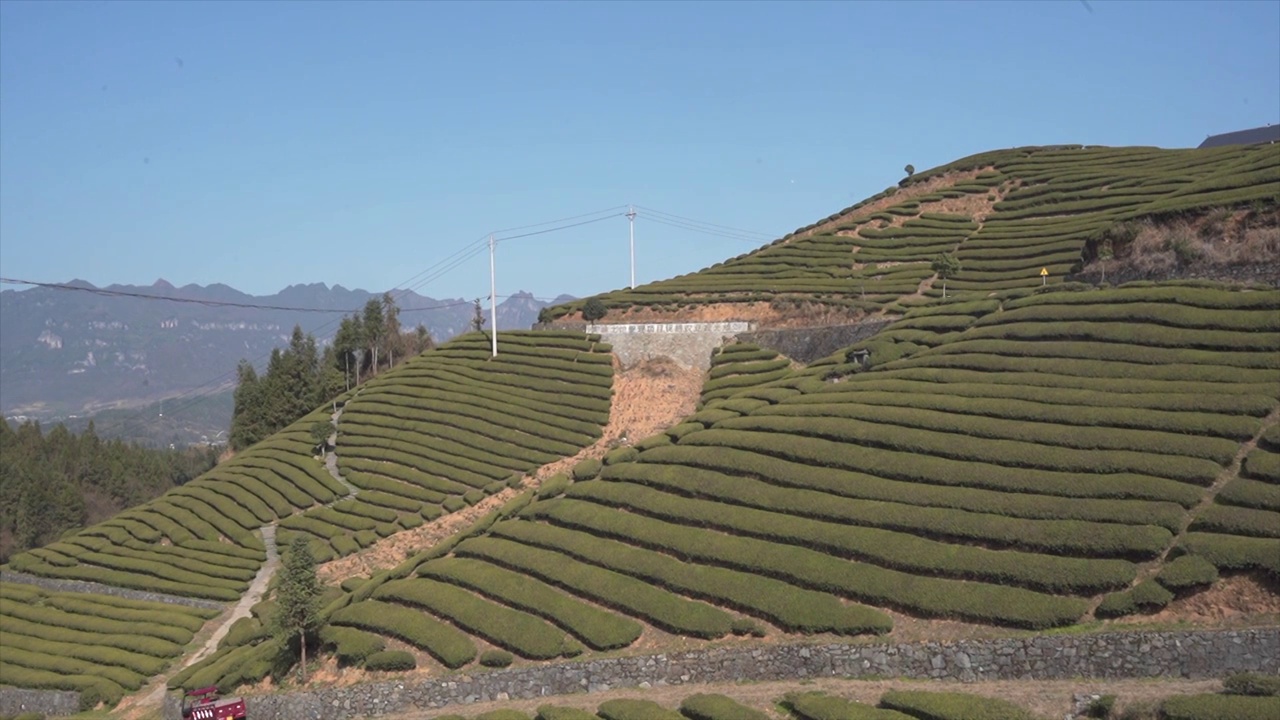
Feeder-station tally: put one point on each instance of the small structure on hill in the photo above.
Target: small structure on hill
(1266, 134)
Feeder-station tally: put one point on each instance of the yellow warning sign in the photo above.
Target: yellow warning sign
(1044, 271)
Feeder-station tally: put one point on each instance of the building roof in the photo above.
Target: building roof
(1265, 134)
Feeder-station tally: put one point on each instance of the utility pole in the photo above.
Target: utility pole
(493, 300)
(631, 219)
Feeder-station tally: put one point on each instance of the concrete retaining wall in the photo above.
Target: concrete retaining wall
(54, 703)
(1112, 655)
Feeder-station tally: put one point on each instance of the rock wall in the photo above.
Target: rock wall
(809, 344)
(54, 703)
(1112, 655)
(57, 585)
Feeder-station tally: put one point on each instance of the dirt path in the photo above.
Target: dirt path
(151, 696)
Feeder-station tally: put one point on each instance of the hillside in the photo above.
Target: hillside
(1028, 454)
(1006, 215)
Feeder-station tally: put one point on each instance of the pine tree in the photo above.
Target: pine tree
(297, 598)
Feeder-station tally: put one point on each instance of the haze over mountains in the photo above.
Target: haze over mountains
(64, 352)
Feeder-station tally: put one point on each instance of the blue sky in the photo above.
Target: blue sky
(265, 144)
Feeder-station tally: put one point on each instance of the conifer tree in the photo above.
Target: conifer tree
(297, 614)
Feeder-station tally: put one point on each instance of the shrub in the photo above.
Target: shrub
(451, 647)
(717, 707)
(502, 715)
(1251, 684)
(453, 503)
(471, 497)
(554, 712)
(1146, 596)
(1101, 707)
(819, 706)
(351, 646)
(621, 455)
(612, 589)
(635, 710)
(952, 706)
(601, 629)
(553, 486)
(587, 469)
(1186, 572)
(496, 658)
(744, 626)
(390, 661)
(1220, 707)
(525, 634)
(594, 309)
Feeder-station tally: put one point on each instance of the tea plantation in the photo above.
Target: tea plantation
(1028, 453)
(1042, 205)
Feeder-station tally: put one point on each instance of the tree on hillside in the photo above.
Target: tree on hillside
(422, 340)
(297, 614)
(393, 339)
(348, 344)
(372, 321)
(945, 265)
(593, 310)
(295, 383)
(477, 320)
(909, 170)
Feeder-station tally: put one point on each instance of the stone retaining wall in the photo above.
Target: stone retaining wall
(59, 585)
(814, 343)
(1112, 655)
(688, 344)
(54, 703)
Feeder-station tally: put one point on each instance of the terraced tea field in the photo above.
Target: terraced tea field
(101, 646)
(1021, 461)
(1037, 207)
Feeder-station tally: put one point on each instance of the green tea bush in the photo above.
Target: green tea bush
(795, 565)
(888, 547)
(1146, 596)
(553, 712)
(454, 504)
(496, 658)
(600, 629)
(783, 604)
(586, 469)
(1187, 572)
(1252, 684)
(351, 646)
(1238, 521)
(621, 455)
(820, 706)
(451, 647)
(704, 706)
(144, 665)
(529, 636)
(624, 709)
(1219, 707)
(611, 589)
(390, 661)
(951, 706)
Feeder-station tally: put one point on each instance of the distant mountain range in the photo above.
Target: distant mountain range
(66, 352)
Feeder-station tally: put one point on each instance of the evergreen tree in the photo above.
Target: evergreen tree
(249, 411)
(372, 322)
(477, 320)
(393, 340)
(297, 614)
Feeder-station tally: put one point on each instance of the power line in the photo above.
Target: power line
(703, 230)
(741, 231)
(557, 229)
